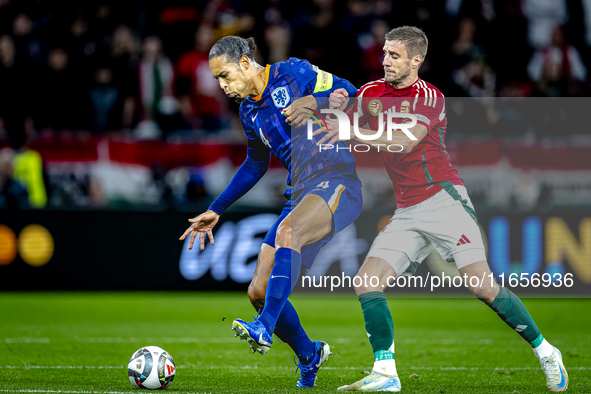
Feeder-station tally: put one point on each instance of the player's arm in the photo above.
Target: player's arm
(321, 84)
(401, 141)
(339, 100)
(428, 110)
(326, 84)
(249, 173)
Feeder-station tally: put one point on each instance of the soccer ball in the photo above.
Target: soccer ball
(151, 368)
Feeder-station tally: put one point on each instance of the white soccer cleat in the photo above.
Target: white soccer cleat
(556, 376)
(375, 381)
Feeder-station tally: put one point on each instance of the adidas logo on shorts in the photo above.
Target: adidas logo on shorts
(463, 240)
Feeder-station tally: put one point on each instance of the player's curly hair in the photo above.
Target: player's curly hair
(233, 48)
(414, 39)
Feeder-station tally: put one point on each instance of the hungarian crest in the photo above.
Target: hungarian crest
(375, 106)
(280, 97)
(405, 107)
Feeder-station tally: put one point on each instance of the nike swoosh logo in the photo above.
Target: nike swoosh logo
(562, 382)
(429, 187)
(279, 276)
(254, 117)
(366, 383)
(261, 341)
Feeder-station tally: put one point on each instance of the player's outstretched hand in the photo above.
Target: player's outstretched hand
(331, 136)
(298, 113)
(202, 224)
(339, 99)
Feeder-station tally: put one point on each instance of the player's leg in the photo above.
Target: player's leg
(288, 327)
(321, 211)
(501, 300)
(379, 325)
(458, 235)
(313, 221)
(512, 311)
(385, 263)
(309, 222)
(281, 280)
(376, 313)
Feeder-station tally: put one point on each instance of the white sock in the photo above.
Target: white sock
(544, 350)
(385, 367)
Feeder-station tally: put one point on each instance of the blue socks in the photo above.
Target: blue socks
(278, 311)
(278, 287)
(290, 331)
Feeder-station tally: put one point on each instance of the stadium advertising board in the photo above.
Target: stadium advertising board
(546, 254)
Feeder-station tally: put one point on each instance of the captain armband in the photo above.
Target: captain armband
(323, 81)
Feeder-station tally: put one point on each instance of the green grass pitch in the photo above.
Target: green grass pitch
(81, 342)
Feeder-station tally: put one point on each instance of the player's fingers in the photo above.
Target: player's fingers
(338, 97)
(202, 240)
(319, 131)
(197, 225)
(303, 118)
(290, 117)
(323, 139)
(332, 136)
(210, 235)
(334, 103)
(286, 111)
(299, 121)
(192, 239)
(187, 232)
(337, 100)
(195, 220)
(295, 112)
(295, 120)
(342, 91)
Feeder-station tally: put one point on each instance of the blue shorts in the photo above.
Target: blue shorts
(343, 196)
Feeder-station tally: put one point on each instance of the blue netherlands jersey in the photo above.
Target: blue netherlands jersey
(262, 120)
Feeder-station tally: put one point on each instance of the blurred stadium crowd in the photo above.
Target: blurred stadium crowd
(138, 70)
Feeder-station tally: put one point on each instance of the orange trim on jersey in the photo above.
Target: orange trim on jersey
(267, 69)
(336, 203)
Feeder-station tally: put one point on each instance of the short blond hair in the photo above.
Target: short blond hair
(414, 39)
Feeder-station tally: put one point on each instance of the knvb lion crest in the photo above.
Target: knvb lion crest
(280, 97)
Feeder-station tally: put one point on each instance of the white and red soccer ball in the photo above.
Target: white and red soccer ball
(151, 368)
